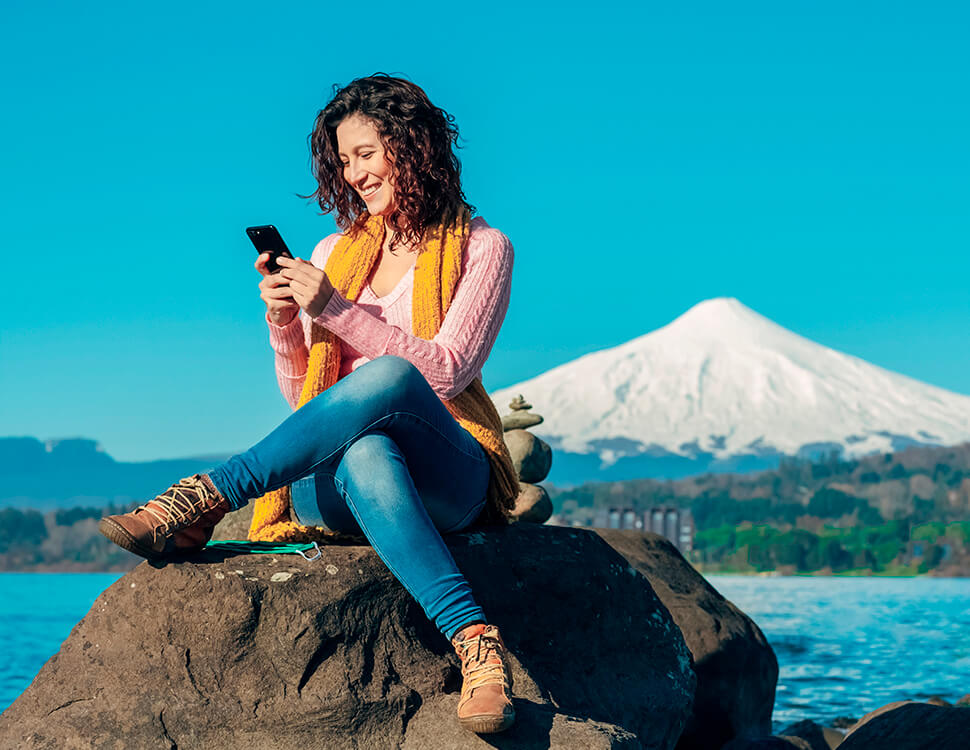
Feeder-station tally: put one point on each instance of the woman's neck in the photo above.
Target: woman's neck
(399, 248)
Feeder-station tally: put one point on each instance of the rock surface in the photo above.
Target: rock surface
(906, 725)
(768, 743)
(275, 652)
(736, 668)
(533, 504)
(817, 737)
(531, 457)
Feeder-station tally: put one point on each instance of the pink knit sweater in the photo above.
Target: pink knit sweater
(373, 326)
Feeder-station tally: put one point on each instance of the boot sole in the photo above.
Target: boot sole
(117, 534)
(487, 724)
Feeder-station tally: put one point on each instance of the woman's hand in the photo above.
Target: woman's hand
(309, 285)
(273, 290)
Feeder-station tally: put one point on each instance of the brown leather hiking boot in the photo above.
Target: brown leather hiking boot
(179, 521)
(486, 691)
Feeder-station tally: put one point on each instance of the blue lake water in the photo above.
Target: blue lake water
(845, 645)
(37, 612)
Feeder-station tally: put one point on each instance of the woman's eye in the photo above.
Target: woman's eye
(368, 155)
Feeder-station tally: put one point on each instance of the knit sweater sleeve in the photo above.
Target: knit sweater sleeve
(455, 356)
(291, 342)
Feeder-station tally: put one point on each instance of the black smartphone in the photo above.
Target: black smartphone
(267, 240)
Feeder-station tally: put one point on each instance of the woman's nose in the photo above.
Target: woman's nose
(353, 172)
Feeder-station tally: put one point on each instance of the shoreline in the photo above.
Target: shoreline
(777, 574)
(705, 573)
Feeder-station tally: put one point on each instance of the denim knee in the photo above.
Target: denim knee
(388, 380)
(358, 479)
(390, 372)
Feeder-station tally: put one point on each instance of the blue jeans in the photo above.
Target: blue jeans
(378, 453)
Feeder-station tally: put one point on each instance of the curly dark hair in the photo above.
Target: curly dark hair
(418, 139)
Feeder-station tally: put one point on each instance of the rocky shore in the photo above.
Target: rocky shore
(273, 651)
(617, 643)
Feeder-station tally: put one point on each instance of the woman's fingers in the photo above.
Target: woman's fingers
(261, 262)
(299, 271)
(277, 292)
(311, 287)
(273, 280)
(311, 278)
(299, 281)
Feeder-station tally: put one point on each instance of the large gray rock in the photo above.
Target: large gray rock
(531, 457)
(906, 725)
(736, 668)
(275, 652)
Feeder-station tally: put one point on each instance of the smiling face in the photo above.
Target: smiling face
(366, 168)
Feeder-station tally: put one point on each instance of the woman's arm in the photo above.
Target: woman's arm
(290, 342)
(451, 360)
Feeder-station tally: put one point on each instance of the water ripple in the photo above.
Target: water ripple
(851, 645)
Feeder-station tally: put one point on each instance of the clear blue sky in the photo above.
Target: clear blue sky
(809, 158)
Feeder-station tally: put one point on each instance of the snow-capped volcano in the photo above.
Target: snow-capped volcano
(722, 380)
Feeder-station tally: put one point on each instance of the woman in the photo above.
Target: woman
(393, 435)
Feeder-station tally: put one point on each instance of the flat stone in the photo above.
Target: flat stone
(518, 403)
(520, 420)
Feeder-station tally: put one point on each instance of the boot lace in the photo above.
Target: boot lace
(180, 505)
(483, 661)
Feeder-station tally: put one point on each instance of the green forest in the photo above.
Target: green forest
(61, 540)
(902, 513)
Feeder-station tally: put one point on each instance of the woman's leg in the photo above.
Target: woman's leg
(400, 500)
(373, 491)
(387, 394)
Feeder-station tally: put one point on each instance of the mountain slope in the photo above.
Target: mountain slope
(723, 381)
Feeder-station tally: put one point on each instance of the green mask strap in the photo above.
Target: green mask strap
(241, 547)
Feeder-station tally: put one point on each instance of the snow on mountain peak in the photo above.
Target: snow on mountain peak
(725, 321)
(723, 379)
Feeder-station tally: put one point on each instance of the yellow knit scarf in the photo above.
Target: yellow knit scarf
(436, 275)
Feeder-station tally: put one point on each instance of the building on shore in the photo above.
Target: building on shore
(676, 524)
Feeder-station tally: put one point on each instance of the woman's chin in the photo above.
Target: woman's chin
(380, 209)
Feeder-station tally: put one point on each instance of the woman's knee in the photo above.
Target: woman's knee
(390, 374)
(370, 471)
(392, 369)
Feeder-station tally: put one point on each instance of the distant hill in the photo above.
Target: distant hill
(76, 472)
(921, 483)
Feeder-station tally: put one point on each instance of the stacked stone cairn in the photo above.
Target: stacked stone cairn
(532, 458)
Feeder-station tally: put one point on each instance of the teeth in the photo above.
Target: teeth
(370, 190)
